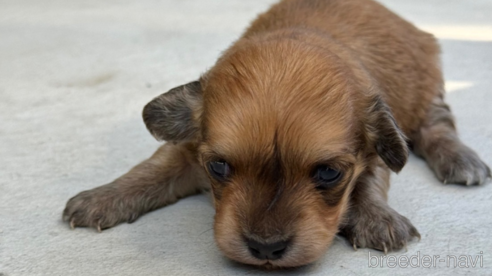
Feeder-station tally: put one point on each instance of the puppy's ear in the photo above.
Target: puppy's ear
(387, 138)
(175, 115)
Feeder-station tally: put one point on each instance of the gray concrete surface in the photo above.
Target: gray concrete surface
(74, 76)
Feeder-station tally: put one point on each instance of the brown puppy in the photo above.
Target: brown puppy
(296, 129)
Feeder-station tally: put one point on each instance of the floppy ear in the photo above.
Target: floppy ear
(387, 138)
(175, 115)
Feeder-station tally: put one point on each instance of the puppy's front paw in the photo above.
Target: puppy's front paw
(380, 228)
(460, 165)
(101, 208)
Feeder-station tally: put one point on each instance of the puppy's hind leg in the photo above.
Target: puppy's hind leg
(438, 143)
(171, 173)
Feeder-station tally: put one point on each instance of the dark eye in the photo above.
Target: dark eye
(326, 177)
(219, 169)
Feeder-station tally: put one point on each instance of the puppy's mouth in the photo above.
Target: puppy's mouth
(268, 264)
(274, 265)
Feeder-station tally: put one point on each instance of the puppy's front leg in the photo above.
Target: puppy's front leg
(171, 173)
(370, 221)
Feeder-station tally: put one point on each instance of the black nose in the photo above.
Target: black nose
(270, 251)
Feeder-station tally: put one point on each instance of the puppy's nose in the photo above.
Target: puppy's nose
(270, 251)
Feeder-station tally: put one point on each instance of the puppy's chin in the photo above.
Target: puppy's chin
(313, 234)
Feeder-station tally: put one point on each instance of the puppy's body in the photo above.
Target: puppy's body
(401, 60)
(313, 89)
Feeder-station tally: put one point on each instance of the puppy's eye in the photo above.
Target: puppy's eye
(220, 170)
(326, 177)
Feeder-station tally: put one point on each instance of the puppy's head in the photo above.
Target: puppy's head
(284, 131)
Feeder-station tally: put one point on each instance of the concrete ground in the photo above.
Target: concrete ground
(74, 76)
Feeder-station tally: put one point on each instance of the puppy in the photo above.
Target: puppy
(295, 130)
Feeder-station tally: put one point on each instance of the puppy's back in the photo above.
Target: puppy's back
(402, 59)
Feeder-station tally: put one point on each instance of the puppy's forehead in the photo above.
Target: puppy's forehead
(278, 97)
(306, 134)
